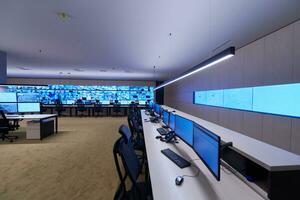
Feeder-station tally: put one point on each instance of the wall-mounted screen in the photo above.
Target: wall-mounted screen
(240, 98)
(214, 97)
(68, 94)
(274, 99)
(278, 99)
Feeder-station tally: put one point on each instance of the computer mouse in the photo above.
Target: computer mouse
(158, 137)
(179, 180)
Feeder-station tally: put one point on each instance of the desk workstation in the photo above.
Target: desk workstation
(251, 169)
(42, 121)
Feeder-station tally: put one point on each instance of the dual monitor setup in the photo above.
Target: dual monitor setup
(11, 102)
(206, 144)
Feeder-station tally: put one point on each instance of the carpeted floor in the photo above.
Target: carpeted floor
(77, 163)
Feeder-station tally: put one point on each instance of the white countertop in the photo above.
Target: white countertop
(266, 155)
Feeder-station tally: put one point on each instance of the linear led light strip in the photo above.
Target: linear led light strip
(224, 55)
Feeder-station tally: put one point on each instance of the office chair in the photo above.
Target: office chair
(5, 127)
(81, 108)
(43, 108)
(98, 108)
(117, 111)
(130, 162)
(59, 108)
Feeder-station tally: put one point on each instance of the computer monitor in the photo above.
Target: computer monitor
(105, 102)
(124, 102)
(142, 102)
(8, 97)
(28, 107)
(166, 117)
(172, 121)
(28, 97)
(184, 129)
(9, 107)
(157, 109)
(207, 146)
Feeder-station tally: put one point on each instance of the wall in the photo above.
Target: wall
(273, 59)
(3, 67)
(77, 82)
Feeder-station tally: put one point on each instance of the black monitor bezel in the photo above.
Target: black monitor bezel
(218, 178)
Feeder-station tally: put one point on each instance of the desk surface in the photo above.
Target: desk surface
(266, 155)
(163, 173)
(32, 116)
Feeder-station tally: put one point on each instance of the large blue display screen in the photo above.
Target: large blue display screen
(166, 118)
(274, 99)
(279, 99)
(172, 121)
(207, 145)
(69, 94)
(240, 98)
(214, 97)
(184, 129)
(8, 97)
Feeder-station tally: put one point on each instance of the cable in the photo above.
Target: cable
(192, 165)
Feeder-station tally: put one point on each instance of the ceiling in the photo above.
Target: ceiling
(115, 39)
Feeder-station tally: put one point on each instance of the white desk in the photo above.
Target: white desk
(35, 117)
(203, 187)
(269, 157)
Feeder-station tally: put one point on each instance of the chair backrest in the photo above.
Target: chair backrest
(129, 159)
(98, 107)
(3, 120)
(125, 133)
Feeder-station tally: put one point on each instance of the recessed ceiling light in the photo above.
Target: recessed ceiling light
(24, 68)
(79, 70)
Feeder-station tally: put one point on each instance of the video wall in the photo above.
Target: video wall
(70, 94)
(275, 99)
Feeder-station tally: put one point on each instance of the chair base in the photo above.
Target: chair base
(11, 138)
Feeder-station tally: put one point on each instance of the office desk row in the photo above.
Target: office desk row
(279, 169)
(72, 110)
(204, 186)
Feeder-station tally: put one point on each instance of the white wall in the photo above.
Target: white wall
(274, 59)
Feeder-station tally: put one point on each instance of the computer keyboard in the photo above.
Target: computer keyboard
(162, 131)
(177, 159)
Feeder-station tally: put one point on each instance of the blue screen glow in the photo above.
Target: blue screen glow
(214, 97)
(9, 107)
(166, 115)
(172, 121)
(240, 98)
(279, 99)
(274, 99)
(28, 107)
(184, 129)
(49, 94)
(9, 97)
(206, 145)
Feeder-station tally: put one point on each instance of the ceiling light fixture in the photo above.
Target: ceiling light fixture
(224, 55)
